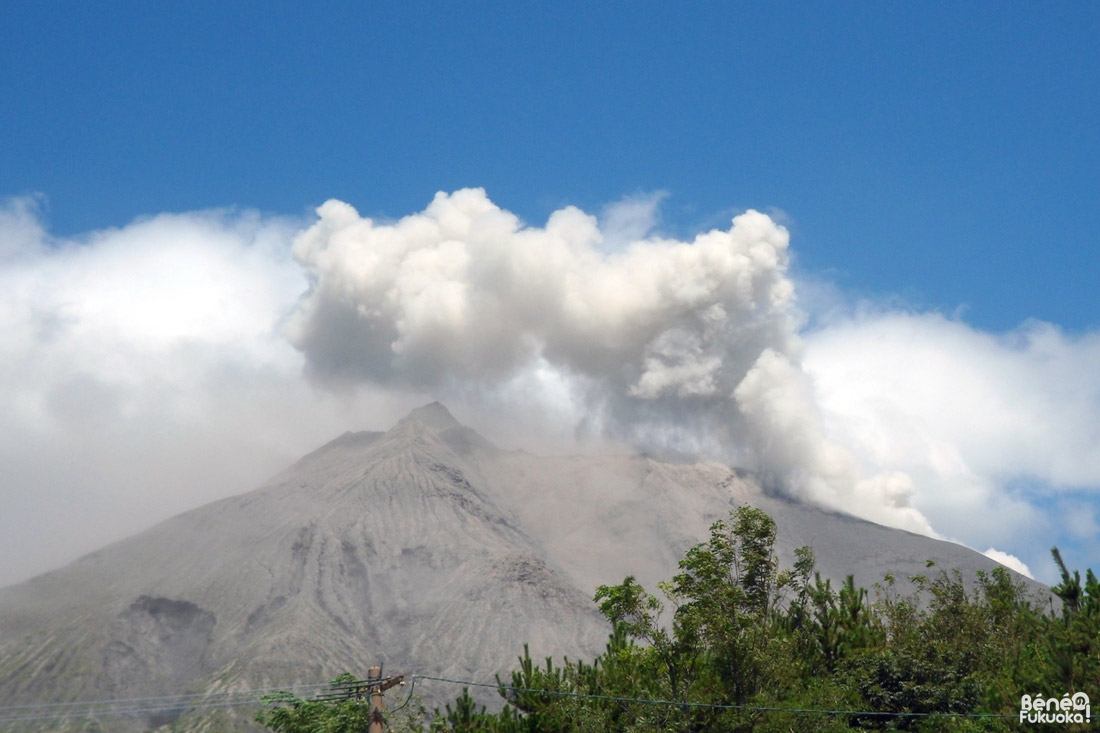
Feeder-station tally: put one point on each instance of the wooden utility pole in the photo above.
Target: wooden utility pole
(372, 688)
(377, 687)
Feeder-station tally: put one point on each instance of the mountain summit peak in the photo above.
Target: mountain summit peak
(433, 415)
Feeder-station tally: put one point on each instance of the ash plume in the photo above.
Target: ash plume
(675, 346)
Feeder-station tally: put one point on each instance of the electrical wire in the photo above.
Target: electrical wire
(120, 712)
(143, 705)
(412, 689)
(181, 696)
(715, 706)
(197, 701)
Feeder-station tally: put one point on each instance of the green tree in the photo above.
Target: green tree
(1074, 651)
(753, 647)
(465, 717)
(288, 713)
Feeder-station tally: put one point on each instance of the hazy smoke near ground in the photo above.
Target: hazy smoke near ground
(671, 345)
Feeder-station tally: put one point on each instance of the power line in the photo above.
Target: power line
(84, 714)
(112, 701)
(197, 701)
(142, 705)
(715, 706)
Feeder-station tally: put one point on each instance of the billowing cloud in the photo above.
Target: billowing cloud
(787, 431)
(629, 220)
(149, 368)
(1001, 433)
(688, 346)
(142, 372)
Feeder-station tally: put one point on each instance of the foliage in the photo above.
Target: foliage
(288, 713)
(736, 643)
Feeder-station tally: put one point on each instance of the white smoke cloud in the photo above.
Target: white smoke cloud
(690, 346)
(21, 233)
(786, 429)
(630, 220)
(146, 369)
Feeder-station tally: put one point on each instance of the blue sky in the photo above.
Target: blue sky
(940, 151)
(937, 161)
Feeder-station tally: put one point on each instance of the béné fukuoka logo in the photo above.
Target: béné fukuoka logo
(1067, 709)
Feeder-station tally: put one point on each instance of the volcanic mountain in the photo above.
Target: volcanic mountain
(425, 548)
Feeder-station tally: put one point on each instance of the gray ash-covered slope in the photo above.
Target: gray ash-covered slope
(375, 548)
(425, 548)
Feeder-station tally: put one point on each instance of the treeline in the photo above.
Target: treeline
(735, 643)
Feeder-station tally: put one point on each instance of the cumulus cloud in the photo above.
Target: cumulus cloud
(988, 426)
(1009, 561)
(148, 368)
(684, 345)
(142, 372)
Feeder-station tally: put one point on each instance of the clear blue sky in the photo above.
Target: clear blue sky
(939, 160)
(947, 152)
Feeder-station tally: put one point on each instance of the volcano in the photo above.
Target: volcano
(426, 549)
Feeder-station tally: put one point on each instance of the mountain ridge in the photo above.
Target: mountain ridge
(425, 548)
